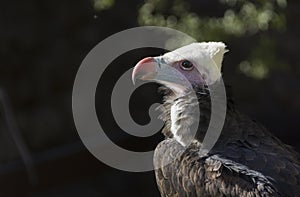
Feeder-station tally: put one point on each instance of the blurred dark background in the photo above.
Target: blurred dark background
(42, 44)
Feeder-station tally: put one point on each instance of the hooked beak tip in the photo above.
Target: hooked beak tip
(144, 69)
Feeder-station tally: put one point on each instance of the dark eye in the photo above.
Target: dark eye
(187, 65)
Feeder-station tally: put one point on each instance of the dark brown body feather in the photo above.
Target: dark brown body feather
(246, 161)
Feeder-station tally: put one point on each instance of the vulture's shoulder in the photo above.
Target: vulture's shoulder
(185, 172)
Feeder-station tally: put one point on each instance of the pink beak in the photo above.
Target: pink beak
(144, 69)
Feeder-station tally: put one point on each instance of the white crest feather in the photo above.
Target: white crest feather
(216, 50)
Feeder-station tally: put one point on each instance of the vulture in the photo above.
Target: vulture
(246, 160)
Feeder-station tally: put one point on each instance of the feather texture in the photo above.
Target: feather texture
(246, 161)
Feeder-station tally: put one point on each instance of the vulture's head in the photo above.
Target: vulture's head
(194, 65)
(188, 69)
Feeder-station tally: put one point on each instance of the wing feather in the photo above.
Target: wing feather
(189, 174)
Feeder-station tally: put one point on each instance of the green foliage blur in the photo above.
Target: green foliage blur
(103, 4)
(261, 21)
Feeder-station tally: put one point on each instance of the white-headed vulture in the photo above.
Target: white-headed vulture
(247, 160)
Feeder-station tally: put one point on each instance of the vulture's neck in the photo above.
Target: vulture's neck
(181, 116)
